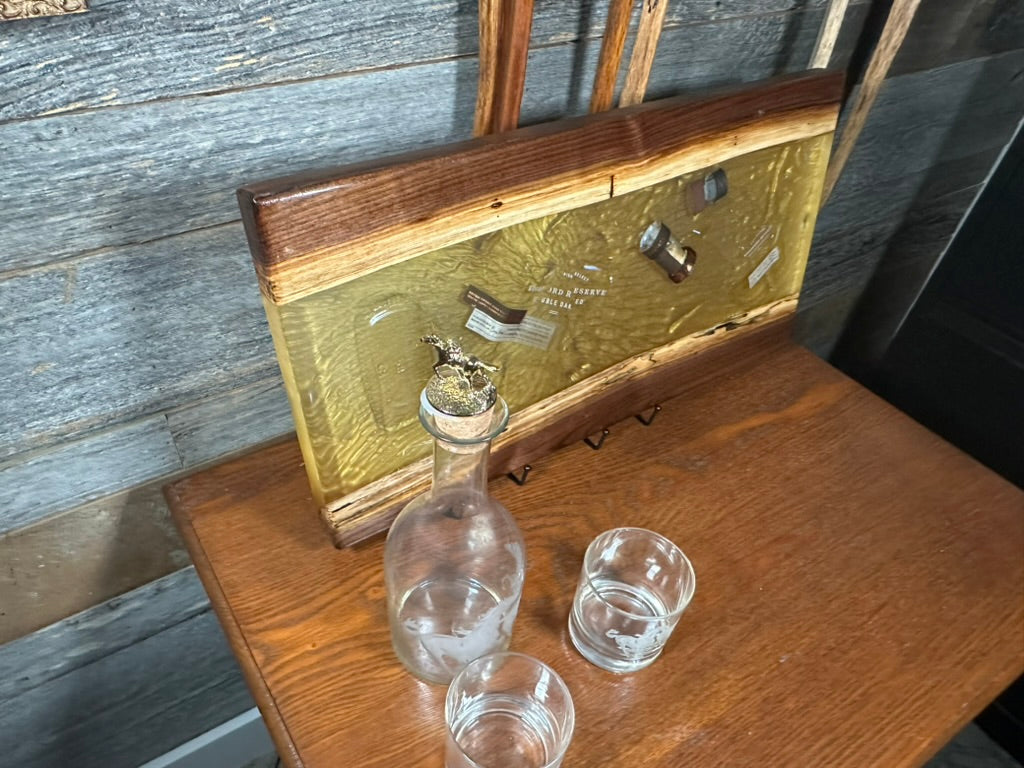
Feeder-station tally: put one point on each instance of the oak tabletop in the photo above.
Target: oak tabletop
(860, 587)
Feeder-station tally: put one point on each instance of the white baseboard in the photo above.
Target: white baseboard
(232, 744)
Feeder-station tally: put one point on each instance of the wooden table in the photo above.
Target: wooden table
(860, 587)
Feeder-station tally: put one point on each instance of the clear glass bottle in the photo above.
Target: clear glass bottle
(455, 559)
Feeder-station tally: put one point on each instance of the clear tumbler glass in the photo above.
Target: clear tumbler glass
(507, 710)
(634, 586)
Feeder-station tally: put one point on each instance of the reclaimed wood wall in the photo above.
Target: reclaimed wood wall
(134, 346)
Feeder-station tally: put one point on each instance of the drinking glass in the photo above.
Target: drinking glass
(634, 586)
(507, 710)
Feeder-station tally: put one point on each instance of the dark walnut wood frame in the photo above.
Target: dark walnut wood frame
(318, 230)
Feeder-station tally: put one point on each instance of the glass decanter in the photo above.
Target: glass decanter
(454, 560)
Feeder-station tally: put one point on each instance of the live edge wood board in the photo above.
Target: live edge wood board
(356, 263)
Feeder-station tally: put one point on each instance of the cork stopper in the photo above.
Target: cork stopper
(460, 402)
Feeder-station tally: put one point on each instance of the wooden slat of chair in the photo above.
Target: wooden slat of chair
(505, 27)
(616, 29)
(652, 18)
(490, 29)
(828, 34)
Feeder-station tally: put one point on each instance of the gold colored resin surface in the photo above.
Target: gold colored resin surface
(351, 357)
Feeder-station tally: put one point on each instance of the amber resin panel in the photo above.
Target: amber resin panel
(552, 301)
(545, 251)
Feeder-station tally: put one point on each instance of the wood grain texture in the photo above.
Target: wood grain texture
(911, 140)
(130, 706)
(914, 158)
(860, 591)
(515, 25)
(959, 32)
(56, 355)
(626, 389)
(652, 18)
(105, 628)
(895, 30)
(71, 562)
(875, 260)
(143, 181)
(505, 27)
(314, 231)
(871, 275)
(724, 53)
(612, 45)
(489, 56)
(829, 34)
(849, 252)
(121, 337)
(910, 132)
(902, 273)
(140, 173)
(217, 426)
(126, 53)
(34, 486)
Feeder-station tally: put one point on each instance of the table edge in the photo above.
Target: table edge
(257, 685)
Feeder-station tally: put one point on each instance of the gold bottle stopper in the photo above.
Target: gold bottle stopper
(460, 385)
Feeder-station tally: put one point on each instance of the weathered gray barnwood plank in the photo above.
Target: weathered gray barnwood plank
(929, 142)
(957, 31)
(848, 248)
(108, 627)
(902, 271)
(873, 250)
(853, 233)
(167, 167)
(126, 52)
(914, 149)
(912, 137)
(119, 336)
(45, 482)
(847, 260)
(129, 706)
(703, 54)
(217, 426)
(69, 562)
(936, 116)
(857, 224)
(174, 51)
(818, 324)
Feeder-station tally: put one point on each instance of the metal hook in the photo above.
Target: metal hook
(521, 480)
(596, 446)
(647, 422)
